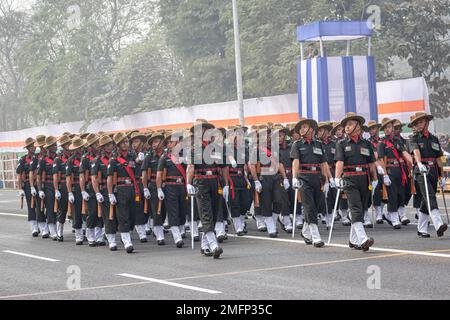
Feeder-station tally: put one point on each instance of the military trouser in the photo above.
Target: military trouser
(125, 207)
(432, 182)
(77, 217)
(175, 197)
(158, 219)
(270, 196)
(63, 204)
(357, 190)
(92, 219)
(396, 192)
(326, 204)
(417, 199)
(141, 218)
(240, 203)
(49, 202)
(208, 201)
(311, 196)
(110, 225)
(377, 195)
(40, 214)
(31, 211)
(291, 194)
(407, 188)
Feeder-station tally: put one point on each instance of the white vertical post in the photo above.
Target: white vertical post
(301, 51)
(3, 172)
(237, 51)
(348, 47)
(321, 48)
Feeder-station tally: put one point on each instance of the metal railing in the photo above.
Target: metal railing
(8, 165)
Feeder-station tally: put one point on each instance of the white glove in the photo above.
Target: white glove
(147, 194)
(190, 190)
(233, 163)
(422, 167)
(21, 193)
(374, 184)
(443, 180)
(326, 188)
(380, 170)
(33, 191)
(160, 194)
(332, 183)
(295, 183)
(286, 184)
(71, 197)
(258, 186)
(99, 197)
(386, 180)
(446, 154)
(41, 194)
(57, 195)
(141, 156)
(112, 199)
(85, 196)
(339, 183)
(225, 192)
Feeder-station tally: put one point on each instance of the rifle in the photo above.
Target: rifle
(385, 194)
(21, 202)
(164, 177)
(43, 177)
(56, 206)
(258, 171)
(111, 206)
(84, 203)
(99, 205)
(69, 209)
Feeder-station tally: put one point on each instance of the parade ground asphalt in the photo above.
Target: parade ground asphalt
(399, 266)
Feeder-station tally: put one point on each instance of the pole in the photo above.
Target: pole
(237, 52)
(192, 221)
(445, 205)
(427, 194)
(334, 214)
(295, 212)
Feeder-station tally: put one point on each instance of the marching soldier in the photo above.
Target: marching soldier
(428, 169)
(391, 154)
(59, 183)
(375, 200)
(94, 222)
(295, 136)
(171, 176)
(309, 164)
(73, 187)
(141, 218)
(23, 180)
(222, 218)
(286, 196)
(338, 135)
(268, 181)
(329, 148)
(99, 176)
(128, 194)
(407, 167)
(149, 170)
(45, 184)
(354, 167)
(40, 153)
(202, 182)
(239, 196)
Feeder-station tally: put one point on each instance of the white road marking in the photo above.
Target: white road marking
(12, 214)
(30, 256)
(418, 253)
(173, 284)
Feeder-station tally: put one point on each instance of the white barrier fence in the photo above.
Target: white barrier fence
(8, 165)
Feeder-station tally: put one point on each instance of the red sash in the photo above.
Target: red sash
(89, 157)
(48, 160)
(178, 165)
(104, 160)
(397, 156)
(130, 172)
(27, 160)
(64, 160)
(76, 162)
